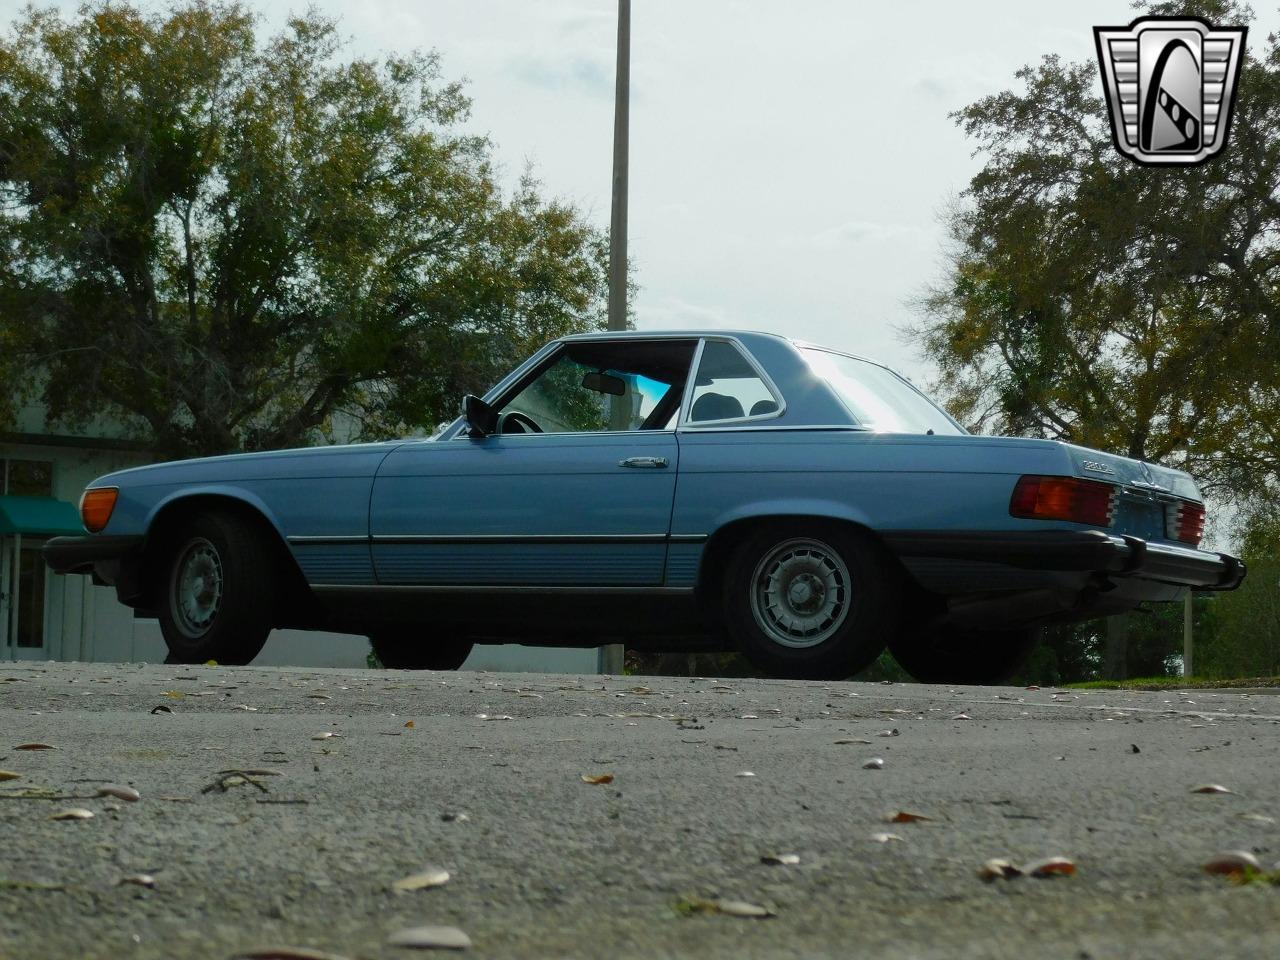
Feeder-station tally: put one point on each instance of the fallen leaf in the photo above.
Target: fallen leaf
(875, 763)
(962, 716)
(325, 735)
(1211, 788)
(886, 837)
(409, 724)
(287, 953)
(844, 740)
(781, 859)
(888, 733)
(454, 817)
(119, 792)
(9, 775)
(1232, 863)
(641, 691)
(75, 813)
(599, 778)
(745, 773)
(749, 716)
(999, 870)
(432, 877)
(1050, 867)
(161, 709)
(173, 694)
(906, 816)
(1256, 817)
(496, 716)
(740, 908)
(34, 746)
(431, 938)
(139, 880)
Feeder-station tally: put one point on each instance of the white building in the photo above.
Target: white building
(48, 617)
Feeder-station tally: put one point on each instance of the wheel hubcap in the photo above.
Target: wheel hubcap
(196, 592)
(800, 593)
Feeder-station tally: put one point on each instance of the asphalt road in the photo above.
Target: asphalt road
(545, 865)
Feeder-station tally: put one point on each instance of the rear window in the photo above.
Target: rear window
(877, 397)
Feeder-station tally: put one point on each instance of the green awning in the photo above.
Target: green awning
(44, 516)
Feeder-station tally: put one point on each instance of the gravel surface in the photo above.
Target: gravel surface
(547, 865)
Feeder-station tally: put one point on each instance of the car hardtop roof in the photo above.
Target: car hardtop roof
(693, 334)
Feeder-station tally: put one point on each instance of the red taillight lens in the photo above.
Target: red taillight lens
(1065, 498)
(1184, 521)
(96, 506)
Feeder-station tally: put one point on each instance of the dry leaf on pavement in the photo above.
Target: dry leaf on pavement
(139, 880)
(119, 792)
(1050, 867)
(1232, 863)
(431, 877)
(75, 813)
(780, 859)
(999, 870)
(886, 837)
(35, 746)
(906, 816)
(1211, 788)
(431, 938)
(9, 775)
(286, 953)
(599, 778)
(875, 763)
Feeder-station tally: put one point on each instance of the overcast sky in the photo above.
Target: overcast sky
(788, 159)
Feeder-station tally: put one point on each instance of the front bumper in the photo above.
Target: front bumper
(1093, 552)
(114, 561)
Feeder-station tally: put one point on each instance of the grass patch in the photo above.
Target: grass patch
(1174, 683)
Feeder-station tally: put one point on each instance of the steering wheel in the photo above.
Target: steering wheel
(522, 422)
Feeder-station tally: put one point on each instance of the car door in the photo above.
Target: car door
(563, 508)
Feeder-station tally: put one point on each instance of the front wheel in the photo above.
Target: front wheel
(216, 589)
(810, 601)
(960, 655)
(413, 650)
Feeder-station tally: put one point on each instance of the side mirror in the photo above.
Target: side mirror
(481, 418)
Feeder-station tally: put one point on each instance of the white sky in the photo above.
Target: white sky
(788, 160)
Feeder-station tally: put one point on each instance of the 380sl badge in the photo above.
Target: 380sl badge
(1097, 467)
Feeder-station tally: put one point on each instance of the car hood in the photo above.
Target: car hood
(342, 460)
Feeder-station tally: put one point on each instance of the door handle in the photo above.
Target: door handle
(648, 463)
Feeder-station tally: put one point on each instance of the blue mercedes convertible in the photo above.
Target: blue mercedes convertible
(673, 491)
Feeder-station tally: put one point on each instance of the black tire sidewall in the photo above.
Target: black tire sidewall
(244, 617)
(860, 639)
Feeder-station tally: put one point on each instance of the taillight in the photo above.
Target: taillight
(1184, 520)
(1065, 498)
(96, 506)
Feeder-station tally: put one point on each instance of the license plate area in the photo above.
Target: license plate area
(1140, 516)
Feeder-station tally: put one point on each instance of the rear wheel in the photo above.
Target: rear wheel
(810, 601)
(216, 589)
(415, 650)
(963, 655)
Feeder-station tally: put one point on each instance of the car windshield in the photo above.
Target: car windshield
(877, 397)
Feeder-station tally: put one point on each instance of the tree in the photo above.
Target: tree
(1127, 308)
(225, 242)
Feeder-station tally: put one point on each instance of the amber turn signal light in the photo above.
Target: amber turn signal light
(1065, 498)
(96, 506)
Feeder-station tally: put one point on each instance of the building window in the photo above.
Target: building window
(26, 478)
(31, 585)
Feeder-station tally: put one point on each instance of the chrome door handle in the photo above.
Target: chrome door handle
(650, 463)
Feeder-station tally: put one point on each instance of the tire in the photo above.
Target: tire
(216, 591)
(414, 650)
(956, 655)
(810, 601)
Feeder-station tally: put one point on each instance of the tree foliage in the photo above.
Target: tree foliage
(1128, 308)
(225, 241)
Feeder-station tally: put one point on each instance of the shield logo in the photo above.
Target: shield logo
(1170, 85)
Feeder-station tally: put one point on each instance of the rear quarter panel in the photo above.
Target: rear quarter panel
(881, 481)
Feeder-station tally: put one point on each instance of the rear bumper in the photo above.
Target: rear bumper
(1089, 552)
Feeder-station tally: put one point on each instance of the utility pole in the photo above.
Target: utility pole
(618, 220)
(612, 656)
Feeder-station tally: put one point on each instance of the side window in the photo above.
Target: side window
(727, 387)
(603, 386)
